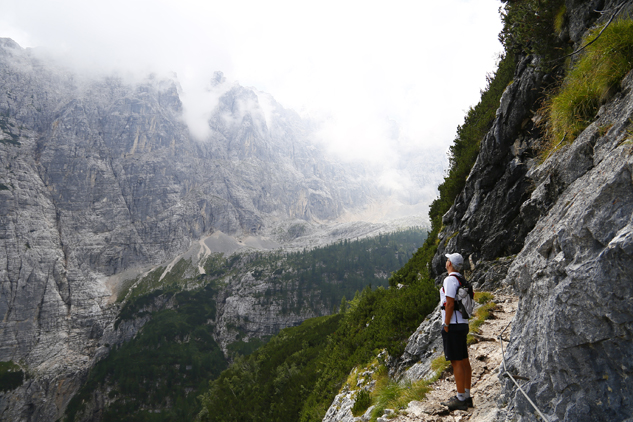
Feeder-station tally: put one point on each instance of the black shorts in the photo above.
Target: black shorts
(455, 346)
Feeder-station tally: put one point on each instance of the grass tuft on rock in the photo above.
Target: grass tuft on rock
(439, 365)
(483, 297)
(481, 314)
(591, 82)
(390, 394)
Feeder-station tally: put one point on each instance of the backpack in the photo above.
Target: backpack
(465, 297)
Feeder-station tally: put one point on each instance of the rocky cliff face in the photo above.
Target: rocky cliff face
(98, 176)
(575, 321)
(568, 221)
(243, 313)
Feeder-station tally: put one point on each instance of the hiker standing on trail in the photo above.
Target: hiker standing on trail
(454, 332)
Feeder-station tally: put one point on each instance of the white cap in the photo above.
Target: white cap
(456, 259)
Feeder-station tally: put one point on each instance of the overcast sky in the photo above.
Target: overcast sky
(384, 78)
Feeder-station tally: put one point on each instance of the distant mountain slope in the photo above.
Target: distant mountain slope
(99, 176)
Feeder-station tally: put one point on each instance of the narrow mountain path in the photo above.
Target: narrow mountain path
(485, 359)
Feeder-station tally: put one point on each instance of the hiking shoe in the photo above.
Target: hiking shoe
(445, 403)
(456, 404)
(468, 401)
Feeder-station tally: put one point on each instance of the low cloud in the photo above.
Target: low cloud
(200, 97)
(381, 83)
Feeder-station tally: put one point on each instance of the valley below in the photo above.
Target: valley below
(178, 327)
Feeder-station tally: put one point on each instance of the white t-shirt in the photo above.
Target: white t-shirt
(451, 284)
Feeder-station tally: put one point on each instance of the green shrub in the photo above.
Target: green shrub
(380, 319)
(362, 403)
(559, 19)
(532, 27)
(11, 376)
(592, 80)
(387, 397)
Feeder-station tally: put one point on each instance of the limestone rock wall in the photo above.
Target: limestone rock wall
(242, 303)
(574, 325)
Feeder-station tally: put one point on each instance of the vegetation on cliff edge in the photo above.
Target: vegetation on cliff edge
(533, 27)
(11, 376)
(591, 81)
(272, 383)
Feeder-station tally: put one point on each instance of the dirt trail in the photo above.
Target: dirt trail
(485, 359)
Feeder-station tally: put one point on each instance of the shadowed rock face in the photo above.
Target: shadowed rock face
(99, 176)
(485, 221)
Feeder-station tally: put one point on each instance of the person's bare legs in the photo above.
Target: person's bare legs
(463, 374)
(468, 372)
(460, 375)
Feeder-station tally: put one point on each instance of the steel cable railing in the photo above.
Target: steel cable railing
(505, 372)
